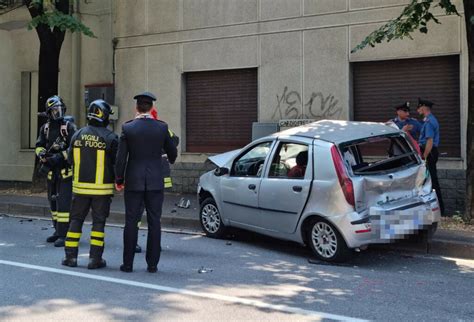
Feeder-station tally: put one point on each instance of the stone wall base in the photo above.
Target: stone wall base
(453, 183)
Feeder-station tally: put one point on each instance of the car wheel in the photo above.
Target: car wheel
(210, 218)
(326, 242)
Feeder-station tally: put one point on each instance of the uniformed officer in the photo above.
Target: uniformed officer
(405, 122)
(168, 182)
(92, 154)
(139, 172)
(429, 142)
(53, 141)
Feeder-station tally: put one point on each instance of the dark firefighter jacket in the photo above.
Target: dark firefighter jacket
(166, 164)
(54, 140)
(92, 155)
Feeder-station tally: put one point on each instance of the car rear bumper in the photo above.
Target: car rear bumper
(392, 221)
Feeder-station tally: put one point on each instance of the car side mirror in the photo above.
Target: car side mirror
(221, 171)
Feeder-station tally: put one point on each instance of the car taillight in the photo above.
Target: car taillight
(344, 180)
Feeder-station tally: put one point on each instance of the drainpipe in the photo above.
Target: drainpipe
(77, 100)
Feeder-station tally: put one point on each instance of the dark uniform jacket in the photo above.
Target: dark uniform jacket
(54, 139)
(166, 164)
(92, 154)
(139, 162)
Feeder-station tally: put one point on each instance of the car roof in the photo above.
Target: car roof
(339, 131)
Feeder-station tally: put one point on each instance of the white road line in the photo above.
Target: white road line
(212, 296)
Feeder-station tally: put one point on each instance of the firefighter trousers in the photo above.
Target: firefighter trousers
(81, 204)
(59, 197)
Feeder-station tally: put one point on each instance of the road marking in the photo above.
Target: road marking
(212, 296)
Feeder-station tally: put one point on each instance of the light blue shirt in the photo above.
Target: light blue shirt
(430, 129)
(409, 121)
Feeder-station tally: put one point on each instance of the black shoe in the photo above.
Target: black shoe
(52, 238)
(59, 242)
(96, 263)
(71, 262)
(152, 269)
(126, 269)
(138, 249)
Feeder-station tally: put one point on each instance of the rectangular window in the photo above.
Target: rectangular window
(290, 161)
(29, 109)
(379, 86)
(221, 107)
(378, 154)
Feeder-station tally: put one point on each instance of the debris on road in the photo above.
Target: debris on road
(184, 203)
(204, 270)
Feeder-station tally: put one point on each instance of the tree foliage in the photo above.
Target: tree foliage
(415, 16)
(50, 16)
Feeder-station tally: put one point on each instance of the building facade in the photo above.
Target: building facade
(220, 66)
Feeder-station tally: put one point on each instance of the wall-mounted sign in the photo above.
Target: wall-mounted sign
(289, 123)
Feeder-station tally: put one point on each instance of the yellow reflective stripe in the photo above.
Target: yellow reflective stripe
(97, 234)
(86, 185)
(63, 214)
(170, 132)
(39, 149)
(96, 242)
(70, 234)
(50, 175)
(72, 244)
(168, 185)
(66, 173)
(77, 163)
(63, 220)
(167, 179)
(99, 172)
(93, 191)
(64, 155)
(54, 214)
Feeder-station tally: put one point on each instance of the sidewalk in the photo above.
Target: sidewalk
(451, 243)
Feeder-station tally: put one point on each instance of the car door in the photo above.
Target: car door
(240, 189)
(286, 186)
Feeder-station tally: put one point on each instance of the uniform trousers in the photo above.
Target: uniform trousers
(431, 161)
(134, 201)
(59, 197)
(81, 204)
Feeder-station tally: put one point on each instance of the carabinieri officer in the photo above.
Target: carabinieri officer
(429, 142)
(405, 122)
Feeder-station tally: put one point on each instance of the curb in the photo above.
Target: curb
(115, 217)
(439, 247)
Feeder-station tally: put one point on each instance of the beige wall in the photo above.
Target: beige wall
(83, 61)
(300, 47)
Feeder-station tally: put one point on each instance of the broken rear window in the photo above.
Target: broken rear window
(378, 154)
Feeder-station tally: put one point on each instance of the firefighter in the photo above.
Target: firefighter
(92, 154)
(53, 141)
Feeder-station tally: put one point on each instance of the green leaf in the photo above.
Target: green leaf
(414, 16)
(63, 22)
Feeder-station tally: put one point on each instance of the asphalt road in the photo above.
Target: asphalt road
(248, 277)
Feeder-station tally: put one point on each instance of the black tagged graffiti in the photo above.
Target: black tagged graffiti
(317, 107)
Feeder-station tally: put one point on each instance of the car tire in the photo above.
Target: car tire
(326, 242)
(210, 219)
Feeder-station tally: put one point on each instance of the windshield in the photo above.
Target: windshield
(378, 154)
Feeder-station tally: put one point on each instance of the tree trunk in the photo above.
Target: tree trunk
(469, 211)
(47, 86)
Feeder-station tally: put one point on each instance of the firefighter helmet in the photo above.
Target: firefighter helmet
(55, 108)
(99, 110)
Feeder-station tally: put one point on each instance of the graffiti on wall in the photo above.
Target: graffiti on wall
(290, 105)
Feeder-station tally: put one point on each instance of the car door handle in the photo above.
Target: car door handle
(297, 188)
(252, 186)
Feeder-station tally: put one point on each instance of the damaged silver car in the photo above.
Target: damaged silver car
(336, 186)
